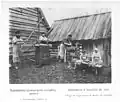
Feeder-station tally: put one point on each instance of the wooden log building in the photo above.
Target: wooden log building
(90, 30)
(26, 20)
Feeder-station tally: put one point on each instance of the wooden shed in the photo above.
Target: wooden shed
(91, 31)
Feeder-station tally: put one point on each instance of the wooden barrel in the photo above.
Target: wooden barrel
(42, 54)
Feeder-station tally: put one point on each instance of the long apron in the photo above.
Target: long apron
(61, 52)
(16, 53)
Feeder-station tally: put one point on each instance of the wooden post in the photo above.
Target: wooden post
(65, 57)
(38, 21)
(39, 18)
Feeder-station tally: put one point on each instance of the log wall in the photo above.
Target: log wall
(26, 20)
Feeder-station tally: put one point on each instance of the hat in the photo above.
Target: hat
(84, 51)
(69, 34)
(17, 32)
(95, 49)
(80, 46)
(43, 33)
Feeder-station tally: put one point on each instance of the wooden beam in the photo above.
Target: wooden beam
(24, 17)
(24, 23)
(29, 10)
(14, 18)
(21, 12)
(24, 31)
(27, 29)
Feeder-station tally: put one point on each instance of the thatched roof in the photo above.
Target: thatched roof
(82, 28)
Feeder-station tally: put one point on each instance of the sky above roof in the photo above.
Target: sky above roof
(53, 14)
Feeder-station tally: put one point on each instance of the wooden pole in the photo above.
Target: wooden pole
(32, 32)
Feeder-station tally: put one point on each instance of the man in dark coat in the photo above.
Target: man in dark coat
(68, 46)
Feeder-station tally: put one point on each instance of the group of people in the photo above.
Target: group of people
(65, 48)
(17, 44)
(64, 51)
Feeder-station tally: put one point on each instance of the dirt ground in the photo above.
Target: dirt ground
(53, 73)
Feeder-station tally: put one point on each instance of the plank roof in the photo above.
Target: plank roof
(93, 27)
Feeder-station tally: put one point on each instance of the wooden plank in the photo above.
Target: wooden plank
(57, 31)
(60, 32)
(22, 11)
(83, 28)
(25, 35)
(29, 54)
(77, 29)
(23, 28)
(17, 24)
(27, 26)
(24, 23)
(28, 51)
(12, 31)
(28, 29)
(35, 19)
(64, 31)
(19, 13)
(25, 10)
(30, 10)
(89, 27)
(107, 25)
(13, 18)
(87, 24)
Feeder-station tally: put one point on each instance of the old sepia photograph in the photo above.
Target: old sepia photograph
(60, 45)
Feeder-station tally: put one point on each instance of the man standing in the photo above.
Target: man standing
(68, 46)
(43, 39)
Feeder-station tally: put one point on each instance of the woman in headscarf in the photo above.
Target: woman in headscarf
(84, 61)
(84, 57)
(96, 60)
(17, 41)
(96, 57)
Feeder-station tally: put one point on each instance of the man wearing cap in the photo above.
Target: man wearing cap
(43, 39)
(68, 46)
(68, 41)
